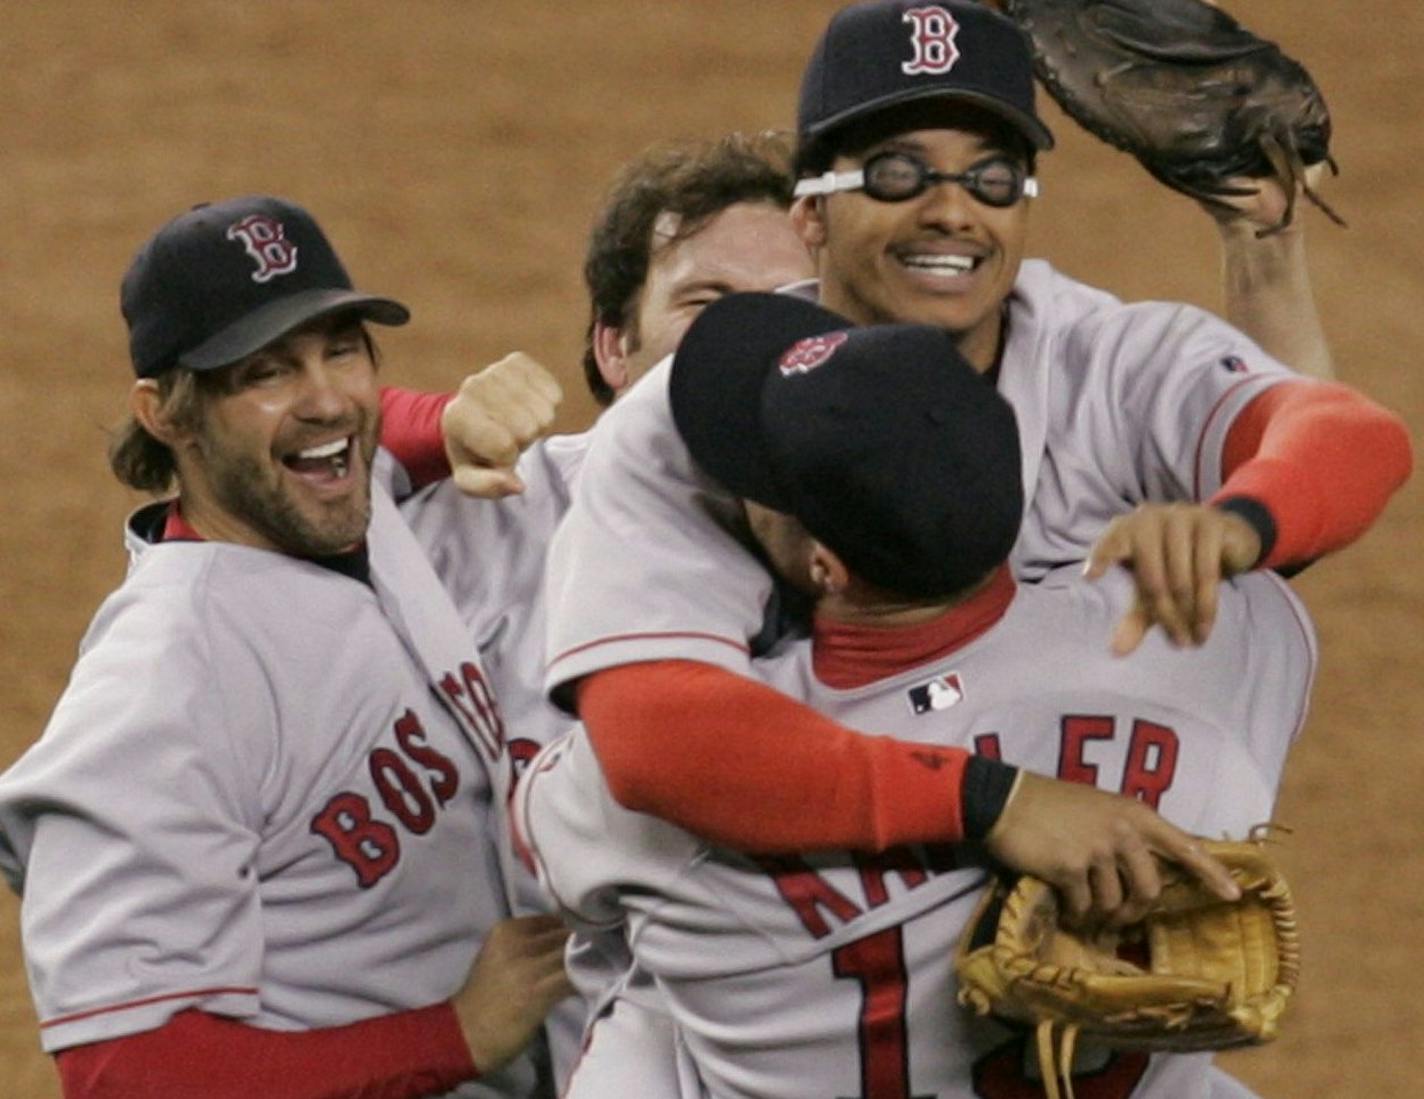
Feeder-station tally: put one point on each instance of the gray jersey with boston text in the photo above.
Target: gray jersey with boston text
(270, 791)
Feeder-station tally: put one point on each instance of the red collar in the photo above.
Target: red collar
(177, 529)
(845, 656)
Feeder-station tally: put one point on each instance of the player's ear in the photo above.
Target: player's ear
(808, 215)
(147, 406)
(611, 348)
(828, 572)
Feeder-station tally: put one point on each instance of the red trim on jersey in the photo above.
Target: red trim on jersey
(1323, 460)
(410, 430)
(740, 764)
(192, 993)
(740, 646)
(1306, 635)
(1206, 431)
(846, 655)
(398, 1056)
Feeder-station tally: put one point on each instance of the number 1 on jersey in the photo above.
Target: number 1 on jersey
(878, 962)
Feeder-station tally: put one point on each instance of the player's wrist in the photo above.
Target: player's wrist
(482, 1057)
(1255, 515)
(984, 794)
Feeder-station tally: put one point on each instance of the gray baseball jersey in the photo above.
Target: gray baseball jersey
(490, 556)
(833, 974)
(269, 791)
(1117, 404)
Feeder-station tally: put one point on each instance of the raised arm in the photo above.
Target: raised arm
(1265, 281)
(475, 434)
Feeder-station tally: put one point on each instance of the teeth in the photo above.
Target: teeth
(956, 264)
(328, 450)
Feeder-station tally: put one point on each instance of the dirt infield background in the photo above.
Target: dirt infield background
(456, 150)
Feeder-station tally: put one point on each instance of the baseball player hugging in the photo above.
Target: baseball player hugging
(879, 473)
(1150, 435)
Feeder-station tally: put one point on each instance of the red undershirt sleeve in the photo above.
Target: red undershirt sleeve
(399, 1056)
(742, 765)
(410, 430)
(1321, 458)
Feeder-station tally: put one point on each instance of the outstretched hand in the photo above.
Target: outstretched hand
(1099, 850)
(494, 416)
(1178, 555)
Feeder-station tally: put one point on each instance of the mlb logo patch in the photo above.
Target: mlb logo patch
(803, 356)
(939, 693)
(1235, 364)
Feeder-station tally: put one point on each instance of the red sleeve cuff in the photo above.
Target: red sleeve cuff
(1322, 460)
(400, 1056)
(410, 430)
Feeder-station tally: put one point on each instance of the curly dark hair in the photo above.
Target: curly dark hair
(695, 181)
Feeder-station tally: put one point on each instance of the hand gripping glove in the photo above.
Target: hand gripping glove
(1184, 88)
(1195, 973)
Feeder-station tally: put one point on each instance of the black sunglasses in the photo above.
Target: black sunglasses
(898, 177)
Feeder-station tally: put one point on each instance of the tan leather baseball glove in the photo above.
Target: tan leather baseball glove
(1196, 973)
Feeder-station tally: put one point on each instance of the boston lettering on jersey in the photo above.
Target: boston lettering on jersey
(371, 845)
(472, 702)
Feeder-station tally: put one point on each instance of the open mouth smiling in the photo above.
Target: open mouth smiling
(327, 462)
(956, 265)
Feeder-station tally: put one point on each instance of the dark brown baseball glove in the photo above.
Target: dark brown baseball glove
(1199, 100)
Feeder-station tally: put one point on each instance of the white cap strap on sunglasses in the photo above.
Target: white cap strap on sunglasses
(829, 183)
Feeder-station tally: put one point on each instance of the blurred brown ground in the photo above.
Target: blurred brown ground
(456, 150)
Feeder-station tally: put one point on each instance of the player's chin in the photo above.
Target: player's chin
(955, 302)
(335, 527)
(957, 312)
(325, 520)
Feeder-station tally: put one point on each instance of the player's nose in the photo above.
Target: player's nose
(946, 205)
(322, 394)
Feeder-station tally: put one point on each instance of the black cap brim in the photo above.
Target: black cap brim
(1037, 133)
(277, 318)
(718, 375)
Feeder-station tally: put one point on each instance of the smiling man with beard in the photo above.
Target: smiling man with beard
(260, 845)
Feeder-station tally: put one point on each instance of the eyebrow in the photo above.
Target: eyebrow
(720, 286)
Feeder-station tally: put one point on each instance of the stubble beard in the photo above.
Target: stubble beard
(245, 488)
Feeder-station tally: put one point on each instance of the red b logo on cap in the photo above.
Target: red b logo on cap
(805, 355)
(933, 39)
(266, 242)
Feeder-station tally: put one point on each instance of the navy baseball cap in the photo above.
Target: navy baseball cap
(888, 52)
(883, 441)
(227, 278)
